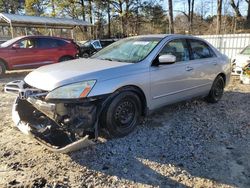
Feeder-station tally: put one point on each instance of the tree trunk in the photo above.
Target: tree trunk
(219, 9)
(189, 16)
(53, 8)
(248, 15)
(109, 24)
(90, 17)
(83, 10)
(122, 20)
(192, 15)
(126, 17)
(90, 12)
(170, 16)
(236, 9)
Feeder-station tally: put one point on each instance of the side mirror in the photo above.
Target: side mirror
(166, 59)
(15, 46)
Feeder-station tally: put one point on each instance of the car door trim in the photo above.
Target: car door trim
(176, 92)
(31, 64)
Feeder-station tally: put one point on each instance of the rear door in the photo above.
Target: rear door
(49, 51)
(204, 65)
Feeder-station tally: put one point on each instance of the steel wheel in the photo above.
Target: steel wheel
(217, 90)
(122, 114)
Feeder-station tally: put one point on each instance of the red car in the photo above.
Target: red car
(35, 51)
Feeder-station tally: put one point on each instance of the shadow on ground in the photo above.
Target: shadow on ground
(180, 143)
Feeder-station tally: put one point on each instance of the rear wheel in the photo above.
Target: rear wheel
(123, 114)
(2, 69)
(217, 90)
(65, 58)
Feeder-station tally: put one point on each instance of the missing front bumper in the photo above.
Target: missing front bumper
(58, 141)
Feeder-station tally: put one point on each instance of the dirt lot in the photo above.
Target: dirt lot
(191, 144)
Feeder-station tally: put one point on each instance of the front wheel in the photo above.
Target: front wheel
(123, 114)
(217, 90)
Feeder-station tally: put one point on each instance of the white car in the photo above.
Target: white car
(240, 61)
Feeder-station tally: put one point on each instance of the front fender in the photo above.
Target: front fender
(140, 80)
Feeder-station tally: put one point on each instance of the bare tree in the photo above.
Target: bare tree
(170, 16)
(219, 9)
(236, 8)
(53, 13)
(190, 14)
(83, 9)
(248, 14)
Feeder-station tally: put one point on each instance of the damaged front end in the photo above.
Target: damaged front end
(60, 125)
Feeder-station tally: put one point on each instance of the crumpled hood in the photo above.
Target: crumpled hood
(52, 76)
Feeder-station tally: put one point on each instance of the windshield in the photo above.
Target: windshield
(130, 50)
(246, 51)
(9, 42)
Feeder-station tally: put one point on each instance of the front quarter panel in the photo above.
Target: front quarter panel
(139, 79)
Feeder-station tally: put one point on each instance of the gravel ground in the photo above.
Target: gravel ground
(190, 144)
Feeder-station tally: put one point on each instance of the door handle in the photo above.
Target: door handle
(215, 63)
(189, 68)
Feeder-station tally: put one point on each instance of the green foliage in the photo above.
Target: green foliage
(36, 7)
(11, 6)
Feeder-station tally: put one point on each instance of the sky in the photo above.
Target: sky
(206, 7)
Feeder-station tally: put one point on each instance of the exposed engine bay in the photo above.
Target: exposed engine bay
(61, 125)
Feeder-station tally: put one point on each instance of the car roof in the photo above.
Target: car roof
(162, 36)
(43, 36)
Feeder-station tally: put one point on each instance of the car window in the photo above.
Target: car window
(9, 42)
(96, 44)
(200, 50)
(86, 44)
(61, 42)
(47, 43)
(178, 48)
(26, 43)
(246, 51)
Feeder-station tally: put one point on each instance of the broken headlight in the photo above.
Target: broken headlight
(72, 91)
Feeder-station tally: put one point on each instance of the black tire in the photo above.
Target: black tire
(2, 69)
(85, 55)
(65, 58)
(217, 90)
(122, 114)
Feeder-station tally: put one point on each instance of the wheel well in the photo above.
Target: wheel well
(5, 63)
(139, 92)
(223, 76)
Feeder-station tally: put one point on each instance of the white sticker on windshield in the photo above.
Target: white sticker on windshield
(144, 43)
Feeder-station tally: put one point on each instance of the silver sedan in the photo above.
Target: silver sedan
(64, 106)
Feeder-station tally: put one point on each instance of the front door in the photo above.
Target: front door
(24, 54)
(172, 82)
